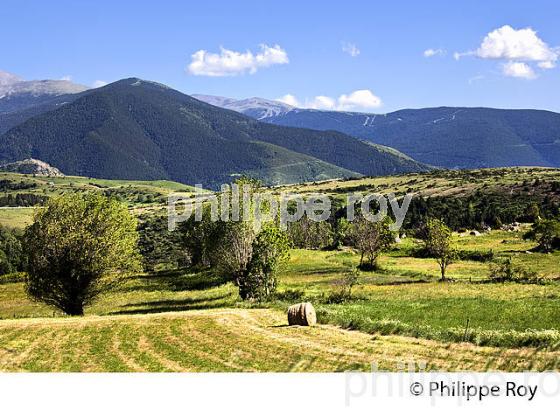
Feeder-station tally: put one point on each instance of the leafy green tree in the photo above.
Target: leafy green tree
(231, 241)
(341, 232)
(437, 239)
(160, 247)
(234, 249)
(12, 257)
(200, 239)
(308, 234)
(78, 248)
(370, 239)
(547, 234)
(269, 249)
(533, 212)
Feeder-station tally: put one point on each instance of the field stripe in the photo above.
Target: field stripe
(234, 340)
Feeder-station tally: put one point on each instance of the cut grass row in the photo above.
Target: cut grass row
(233, 340)
(403, 298)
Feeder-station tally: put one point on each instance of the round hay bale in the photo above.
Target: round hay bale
(302, 314)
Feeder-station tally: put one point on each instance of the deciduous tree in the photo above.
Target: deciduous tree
(370, 239)
(437, 239)
(79, 247)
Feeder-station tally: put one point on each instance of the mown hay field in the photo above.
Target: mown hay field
(194, 321)
(232, 340)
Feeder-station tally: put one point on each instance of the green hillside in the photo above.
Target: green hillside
(450, 137)
(135, 129)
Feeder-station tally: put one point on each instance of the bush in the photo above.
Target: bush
(476, 256)
(547, 233)
(349, 279)
(290, 295)
(505, 271)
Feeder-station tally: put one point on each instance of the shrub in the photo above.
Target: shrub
(547, 234)
(506, 271)
(160, 247)
(350, 278)
(290, 295)
(477, 256)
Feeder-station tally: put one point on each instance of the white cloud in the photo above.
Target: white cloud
(66, 78)
(359, 100)
(290, 100)
(457, 56)
(99, 83)
(351, 49)
(322, 102)
(521, 50)
(509, 44)
(231, 63)
(431, 52)
(518, 69)
(547, 65)
(476, 78)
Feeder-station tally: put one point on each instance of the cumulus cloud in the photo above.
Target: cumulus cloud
(99, 83)
(290, 100)
(322, 102)
(547, 65)
(432, 52)
(510, 44)
(351, 49)
(521, 50)
(232, 63)
(359, 100)
(66, 78)
(518, 69)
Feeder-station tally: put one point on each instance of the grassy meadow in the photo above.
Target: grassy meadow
(192, 320)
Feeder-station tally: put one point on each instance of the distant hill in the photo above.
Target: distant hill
(136, 129)
(255, 107)
(20, 99)
(450, 137)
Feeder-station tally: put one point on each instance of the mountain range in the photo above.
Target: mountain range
(20, 99)
(137, 129)
(449, 137)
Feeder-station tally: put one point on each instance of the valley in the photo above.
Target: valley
(192, 319)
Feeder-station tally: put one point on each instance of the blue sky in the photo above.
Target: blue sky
(305, 53)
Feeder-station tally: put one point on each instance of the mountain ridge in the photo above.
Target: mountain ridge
(138, 129)
(21, 99)
(450, 137)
